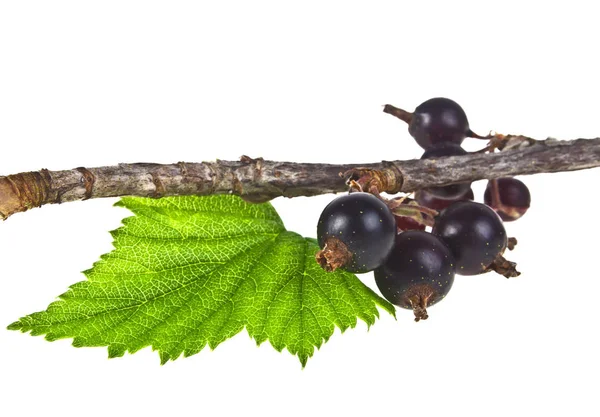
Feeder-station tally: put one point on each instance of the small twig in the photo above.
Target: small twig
(258, 180)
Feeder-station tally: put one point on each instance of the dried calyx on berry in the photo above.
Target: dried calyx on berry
(356, 233)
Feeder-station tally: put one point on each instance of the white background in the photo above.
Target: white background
(98, 83)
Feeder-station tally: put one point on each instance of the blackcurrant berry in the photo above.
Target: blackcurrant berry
(512, 199)
(452, 191)
(418, 273)
(474, 233)
(437, 121)
(426, 199)
(356, 233)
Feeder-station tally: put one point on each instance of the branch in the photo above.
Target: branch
(258, 180)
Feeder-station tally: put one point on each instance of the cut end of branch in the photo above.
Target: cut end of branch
(334, 255)
(20, 192)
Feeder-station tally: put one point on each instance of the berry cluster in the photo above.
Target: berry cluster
(415, 268)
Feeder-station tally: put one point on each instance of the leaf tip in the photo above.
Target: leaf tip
(387, 307)
(116, 351)
(303, 360)
(164, 357)
(51, 337)
(115, 233)
(17, 325)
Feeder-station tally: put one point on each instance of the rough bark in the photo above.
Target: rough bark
(259, 180)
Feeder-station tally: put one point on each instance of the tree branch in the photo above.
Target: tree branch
(258, 180)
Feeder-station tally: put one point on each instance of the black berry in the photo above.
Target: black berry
(512, 199)
(356, 233)
(474, 233)
(439, 121)
(418, 273)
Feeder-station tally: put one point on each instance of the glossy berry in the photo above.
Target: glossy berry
(356, 232)
(426, 199)
(418, 273)
(452, 191)
(438, 121)
(513, 195)
(474, 233)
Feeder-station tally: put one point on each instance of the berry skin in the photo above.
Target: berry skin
(474, 233)
(418, 273)
(437, 121)
(426, 199)
(452, 191)
(356, 232)
(513, 198)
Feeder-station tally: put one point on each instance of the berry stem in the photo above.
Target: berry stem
(399, 113)
(496, 202)
(474, 135)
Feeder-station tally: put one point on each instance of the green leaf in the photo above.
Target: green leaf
(188, 272)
